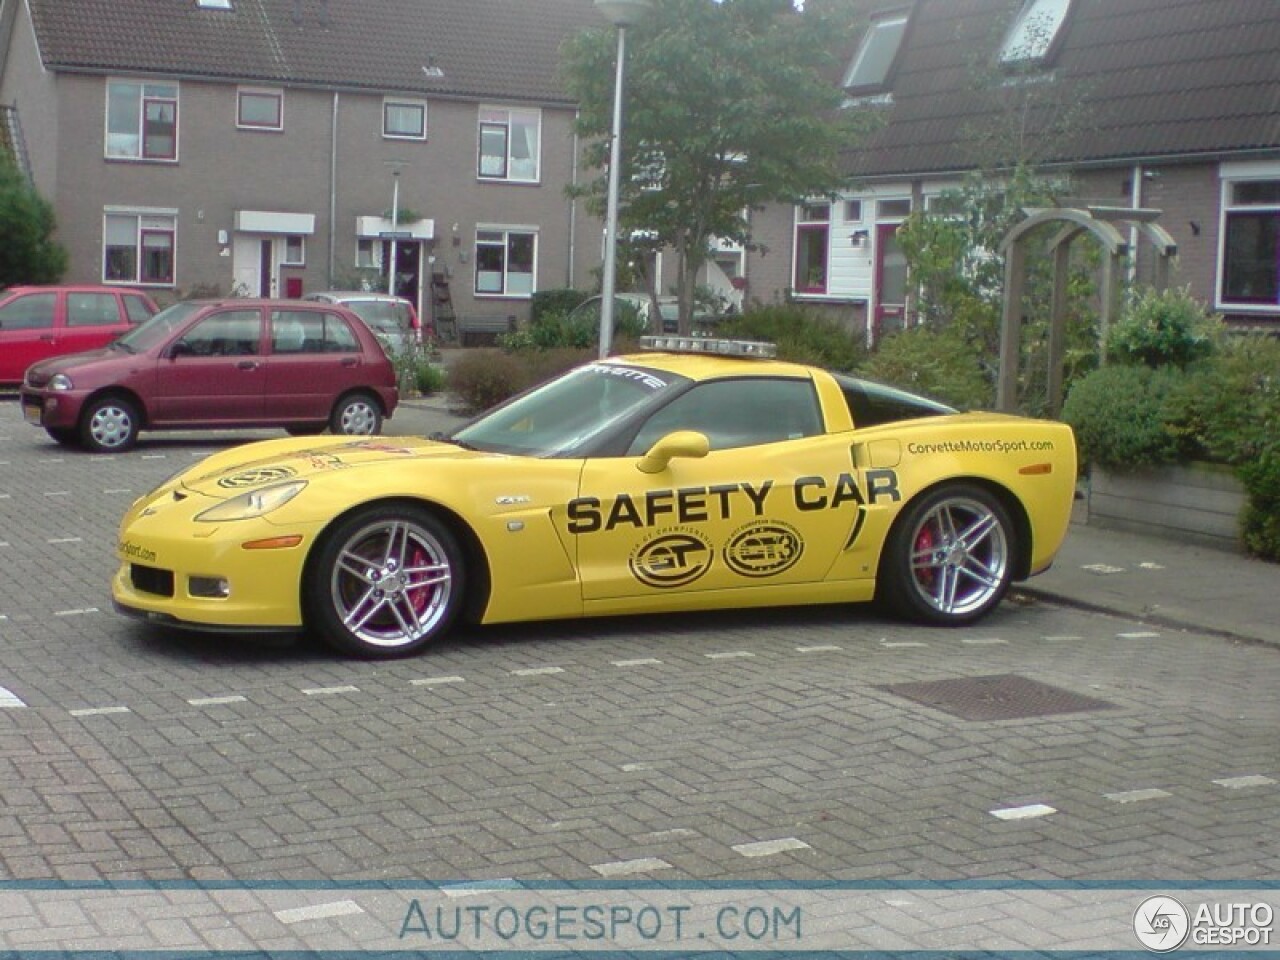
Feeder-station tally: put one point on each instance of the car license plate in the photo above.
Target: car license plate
(32, 412)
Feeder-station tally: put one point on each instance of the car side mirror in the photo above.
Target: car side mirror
(682, 443)
(180, 349)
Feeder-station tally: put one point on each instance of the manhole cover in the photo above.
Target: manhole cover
(1004, 696)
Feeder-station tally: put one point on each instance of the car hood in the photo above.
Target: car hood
(40, 372)
(270, 462)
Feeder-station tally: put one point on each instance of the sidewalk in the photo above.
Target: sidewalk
(1164, 582)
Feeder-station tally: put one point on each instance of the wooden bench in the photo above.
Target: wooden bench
(483, 329)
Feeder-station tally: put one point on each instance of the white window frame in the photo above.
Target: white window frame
(492, 117)
(1232, 175)
(1021, 44)
(147, 222)
(149, 92)
(261, 92)
(373, 247)
(404, 102)
(507, 233)
(884, 36)
(298, 241)
(811, 218)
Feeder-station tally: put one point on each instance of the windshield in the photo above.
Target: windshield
(566, 413)
(383, 315)
(158, 328)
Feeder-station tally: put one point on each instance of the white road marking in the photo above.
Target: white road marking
(65, 540)
(9, 699)
(634, 767)
(537, 671)
(898, 644)
(319, 911)
(1135, 796)
(119, 490)
(1023, 813)
(982, 641)
(1138, 635)
(639, 662)
(434, 681)
(325, 691)
(820, 648)
(155, 456)
(1063, 637)
(1102, 569)
(216, 701)
(1148, 565)
(98, 711)
(1239, 783)
(767, 848)
(620, 868)
(57, 493)
(77, 612)
(729, 655)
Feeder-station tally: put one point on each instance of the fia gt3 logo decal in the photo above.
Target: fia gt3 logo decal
(671, 559)
(256, 477)
(763, 548)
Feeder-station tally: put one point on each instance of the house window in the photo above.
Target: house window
(509, 144)
(142, 120)
(1033, 31)
(260, 109)
(870, 67)
(1251, 243)
(404, 119)
(853, 211)
(295, 252)
(813, 232)
(893, 209)
(505, 262)
(367, 251)
(138, 248)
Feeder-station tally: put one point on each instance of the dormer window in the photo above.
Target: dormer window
(1033, 32)
(870, 67)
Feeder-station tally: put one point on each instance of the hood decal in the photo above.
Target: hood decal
(256, 477)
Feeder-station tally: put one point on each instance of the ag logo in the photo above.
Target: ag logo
(671, 559)
(1161, 924)
(763, 548)
(256, 477)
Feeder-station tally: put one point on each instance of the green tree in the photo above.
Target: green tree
(28, 252)
(728, 106)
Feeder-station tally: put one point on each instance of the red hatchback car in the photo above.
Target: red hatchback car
(218, 364)
(41, 322)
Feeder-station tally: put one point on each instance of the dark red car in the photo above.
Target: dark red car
(41, 322)
(218, 364)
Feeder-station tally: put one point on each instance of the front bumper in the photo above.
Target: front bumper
(51, 409)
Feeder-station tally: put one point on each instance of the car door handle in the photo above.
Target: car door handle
(247, 365)
(46, 337)
(349, 361)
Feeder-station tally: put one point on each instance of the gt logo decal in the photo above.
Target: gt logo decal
(671, 559)
(256, 477)
(763, 548)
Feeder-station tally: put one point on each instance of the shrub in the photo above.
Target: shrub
(1169, 327)
(940, 364)
(555, 302)
(1260, 522)
(483, 378)
(801, 335)
(1228, 406)
(1120, 414)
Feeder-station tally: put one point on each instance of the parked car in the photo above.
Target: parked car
(223, 363)
(625, 304)
(660, 481)
(392, 319)
(41, 322)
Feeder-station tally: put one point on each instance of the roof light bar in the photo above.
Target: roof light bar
(715, 345)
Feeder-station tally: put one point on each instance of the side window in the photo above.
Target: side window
(297, 331)
(737, 413)
(509, 144)
(338, 337)
(92, 310)
(32, 312)
(137, 309)
(232, 333)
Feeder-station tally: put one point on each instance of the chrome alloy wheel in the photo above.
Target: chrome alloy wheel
(111, 425)
(358, 418)
(959, 556)
(392, 583)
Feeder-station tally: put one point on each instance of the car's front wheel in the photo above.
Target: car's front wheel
(385, 581)
(356, 415)
(949, 559)
(109, 425)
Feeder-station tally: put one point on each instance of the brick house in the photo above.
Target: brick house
(256, 145)
(1174, 104)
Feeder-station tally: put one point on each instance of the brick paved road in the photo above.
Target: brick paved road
(752, 747)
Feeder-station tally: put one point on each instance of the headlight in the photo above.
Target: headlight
(60, 381)
(255, 503)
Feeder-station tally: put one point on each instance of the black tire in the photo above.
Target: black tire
(64, 436)
(109, 425)
(384, 582)
(949, 558)
(356, 415)
(310, 430)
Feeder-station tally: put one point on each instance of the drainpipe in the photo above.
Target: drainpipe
(1136, 204)
(573, 206)
(333, 189)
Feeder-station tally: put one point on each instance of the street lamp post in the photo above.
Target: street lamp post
(622, 13)
(395, 226)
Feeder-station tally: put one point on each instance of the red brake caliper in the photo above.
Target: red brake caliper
(925, 541)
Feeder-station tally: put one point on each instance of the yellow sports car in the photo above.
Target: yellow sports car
(701, 475)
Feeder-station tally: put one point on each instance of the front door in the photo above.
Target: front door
(891, 281)
(408, 270)
(255, 266)
(214, 372)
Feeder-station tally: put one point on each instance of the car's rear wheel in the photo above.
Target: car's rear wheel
(356, 415)
(385, 581)
(109, 425)
(64, 436)
(949, 558)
